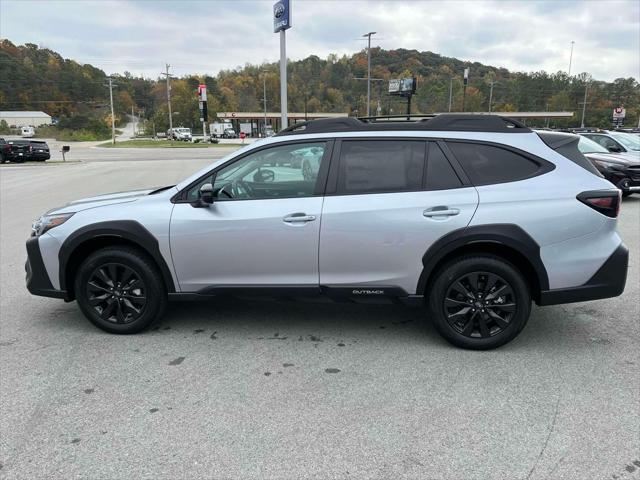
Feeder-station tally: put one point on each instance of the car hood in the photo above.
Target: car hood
(101, 200)
(628, 158)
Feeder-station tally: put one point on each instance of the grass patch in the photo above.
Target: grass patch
(72, 135)
(164, 144)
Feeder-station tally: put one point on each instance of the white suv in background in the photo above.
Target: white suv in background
(473, 217)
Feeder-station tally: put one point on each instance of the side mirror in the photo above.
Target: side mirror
(614, 148)
(205, 196)
(206, 193)
(264, 176)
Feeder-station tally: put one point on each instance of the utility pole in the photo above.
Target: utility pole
(264, 100)
(368, 35)
(113, 118)
(584, 104)
(492, 83)
(570, 58)
(450, 91)
(133, 119)
(169, 98)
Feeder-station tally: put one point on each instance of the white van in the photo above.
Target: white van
(28, 132)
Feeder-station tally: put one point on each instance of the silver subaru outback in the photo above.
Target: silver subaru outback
(472, 217)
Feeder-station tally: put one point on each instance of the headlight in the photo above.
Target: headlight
(47, 222)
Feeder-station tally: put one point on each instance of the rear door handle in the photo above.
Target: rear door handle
(299, 218)
(441, 212)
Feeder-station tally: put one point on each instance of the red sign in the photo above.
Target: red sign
(202, 92)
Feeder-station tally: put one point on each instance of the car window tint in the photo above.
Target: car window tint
(369, 166)
(440, 173)
(278, 172)
(486, 164)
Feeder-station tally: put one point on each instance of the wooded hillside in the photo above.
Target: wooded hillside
(40, 79)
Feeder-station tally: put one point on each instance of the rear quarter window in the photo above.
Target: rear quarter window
(488, 164)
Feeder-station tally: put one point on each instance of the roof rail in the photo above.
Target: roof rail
(459, 122)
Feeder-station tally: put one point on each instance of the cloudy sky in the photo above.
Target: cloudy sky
(209, 35)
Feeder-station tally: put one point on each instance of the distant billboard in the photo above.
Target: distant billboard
(281, 15)
(402, 86)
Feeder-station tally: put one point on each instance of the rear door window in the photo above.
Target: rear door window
(488, 164)
(380, 166)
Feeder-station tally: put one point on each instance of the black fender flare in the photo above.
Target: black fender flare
(505, 234)
(129, 230)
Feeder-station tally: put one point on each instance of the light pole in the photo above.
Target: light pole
(450, 91)
(368, 35)
(169, 98)
(584, 104)
(264, 99)
(570, 58)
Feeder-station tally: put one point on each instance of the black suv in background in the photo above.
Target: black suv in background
(622, 169)
(39, 150)
(19, 151)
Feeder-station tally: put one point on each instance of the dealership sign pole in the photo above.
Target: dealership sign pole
(282, 22)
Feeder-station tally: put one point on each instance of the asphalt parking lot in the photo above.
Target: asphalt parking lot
(235, 389)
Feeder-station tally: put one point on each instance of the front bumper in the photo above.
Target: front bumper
(38, 282)
(608, 281)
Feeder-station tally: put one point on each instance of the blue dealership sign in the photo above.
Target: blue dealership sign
(281, 15)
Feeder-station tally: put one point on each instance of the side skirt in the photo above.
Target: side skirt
(341, 294)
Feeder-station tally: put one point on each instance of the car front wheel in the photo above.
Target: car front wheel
(120, 290)
(479, 302)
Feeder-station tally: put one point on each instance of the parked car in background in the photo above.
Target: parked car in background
(19, 151)
(615, 141)
(5, 151)
(621, 169)
(27, 132)
(39, 150)
(182, 134)
(308, 159)
(16, 151)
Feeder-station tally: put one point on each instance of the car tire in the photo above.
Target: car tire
(498, 312)
(120, 290)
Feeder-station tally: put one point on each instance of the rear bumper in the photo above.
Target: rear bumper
(38, 282)
(608, 281)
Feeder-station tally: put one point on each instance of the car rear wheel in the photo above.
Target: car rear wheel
(479, 302)
(119, 289)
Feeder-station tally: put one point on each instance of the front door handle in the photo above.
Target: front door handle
(299, 218)
(441, 212)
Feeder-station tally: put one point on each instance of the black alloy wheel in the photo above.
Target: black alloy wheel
(478, 301)
(120, 289)
(479, 304)
(117, 293)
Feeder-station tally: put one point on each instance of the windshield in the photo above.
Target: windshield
(586, 145)
(629, 141)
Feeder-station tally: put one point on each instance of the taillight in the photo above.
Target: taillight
(607, 202)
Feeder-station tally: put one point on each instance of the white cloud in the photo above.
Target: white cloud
(207, 36)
